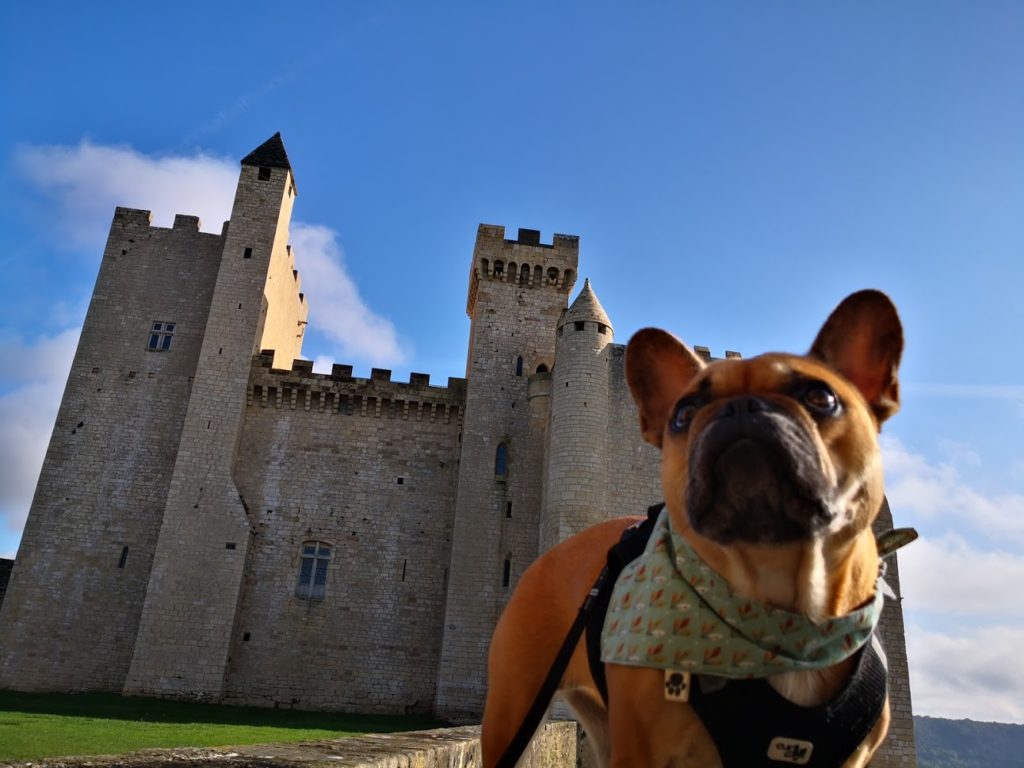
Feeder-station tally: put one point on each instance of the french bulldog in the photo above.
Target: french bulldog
(772, 476)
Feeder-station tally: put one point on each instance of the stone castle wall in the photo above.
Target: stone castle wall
(84, 562)
(368, 467)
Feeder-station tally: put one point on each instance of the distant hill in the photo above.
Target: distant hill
(968, 744)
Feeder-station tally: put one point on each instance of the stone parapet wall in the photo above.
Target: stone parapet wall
(554, 747)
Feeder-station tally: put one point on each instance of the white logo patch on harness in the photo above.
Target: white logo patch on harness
(792, 751)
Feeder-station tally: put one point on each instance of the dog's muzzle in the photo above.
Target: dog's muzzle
(755, 476)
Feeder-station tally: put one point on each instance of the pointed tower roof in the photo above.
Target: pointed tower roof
(586, 307)
(269, 154)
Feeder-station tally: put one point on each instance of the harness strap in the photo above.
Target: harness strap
(540, 704)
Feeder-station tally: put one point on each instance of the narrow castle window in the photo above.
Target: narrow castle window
(316, 555)
(508, 509)
(264, 174)
(501, 461)
(124, 558)
(247, 253)
(160, 336)
(519, 366)
(506, 573)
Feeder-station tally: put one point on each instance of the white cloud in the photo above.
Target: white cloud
(947, 575)
(33, 379)
(976, 672)
(88, 181)
(923, 491)
(336, 309)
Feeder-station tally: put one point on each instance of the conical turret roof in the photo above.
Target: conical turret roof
(586, 308)
(269, 154)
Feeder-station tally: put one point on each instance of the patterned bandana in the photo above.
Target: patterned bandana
(670, 610)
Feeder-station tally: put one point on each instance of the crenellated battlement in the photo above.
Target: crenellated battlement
(705, 354)
(140, 217)
(341, 393)
(136, 216)
(525, 262)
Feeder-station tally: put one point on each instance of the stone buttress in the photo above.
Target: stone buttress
(191, 602)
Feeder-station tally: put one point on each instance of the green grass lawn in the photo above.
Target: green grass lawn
(34, 725)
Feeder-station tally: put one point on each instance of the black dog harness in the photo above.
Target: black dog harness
(775, 731)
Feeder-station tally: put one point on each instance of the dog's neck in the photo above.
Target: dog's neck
(809, 578)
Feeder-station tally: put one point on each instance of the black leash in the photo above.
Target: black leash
(630, 546)
(540, 705)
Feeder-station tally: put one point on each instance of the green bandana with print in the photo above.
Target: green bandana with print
(670, 610)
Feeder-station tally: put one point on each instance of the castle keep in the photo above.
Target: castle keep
(215, 521)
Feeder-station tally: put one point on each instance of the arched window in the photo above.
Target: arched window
(316, 555)
(524, 274)
(519, 366)
(512, 269)
(501, 461)
(506, 572)
(542, 368)
(569, 275)
(484, 266)
(538, 275)
(499, 268)
(553, 275)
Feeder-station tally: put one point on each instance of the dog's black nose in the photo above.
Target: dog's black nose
(741, 406)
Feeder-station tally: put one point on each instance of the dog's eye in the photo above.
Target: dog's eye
(683, 416)
(820, 399)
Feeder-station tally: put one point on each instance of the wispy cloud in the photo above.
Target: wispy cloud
(32, 383)
(87, 181)
(339, 312)
(960, 584)
(926, 491)
(947, 575)
(975, 672)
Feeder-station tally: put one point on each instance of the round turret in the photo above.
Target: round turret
(586, 309)
(577, 457)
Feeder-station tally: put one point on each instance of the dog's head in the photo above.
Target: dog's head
(778, 449)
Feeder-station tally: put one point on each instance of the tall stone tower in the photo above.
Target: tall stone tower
(70, 616)
(517, 291)
(204, 537)
(577, 453)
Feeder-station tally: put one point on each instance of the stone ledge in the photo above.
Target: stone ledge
(554, 747)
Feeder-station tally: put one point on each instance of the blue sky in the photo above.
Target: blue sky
(733, 170)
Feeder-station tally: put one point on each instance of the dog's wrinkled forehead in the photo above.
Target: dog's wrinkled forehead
(762, 375)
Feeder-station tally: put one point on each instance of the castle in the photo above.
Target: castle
(215, 521)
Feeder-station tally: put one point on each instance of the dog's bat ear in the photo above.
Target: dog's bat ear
(863, 340)
(658, 367)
